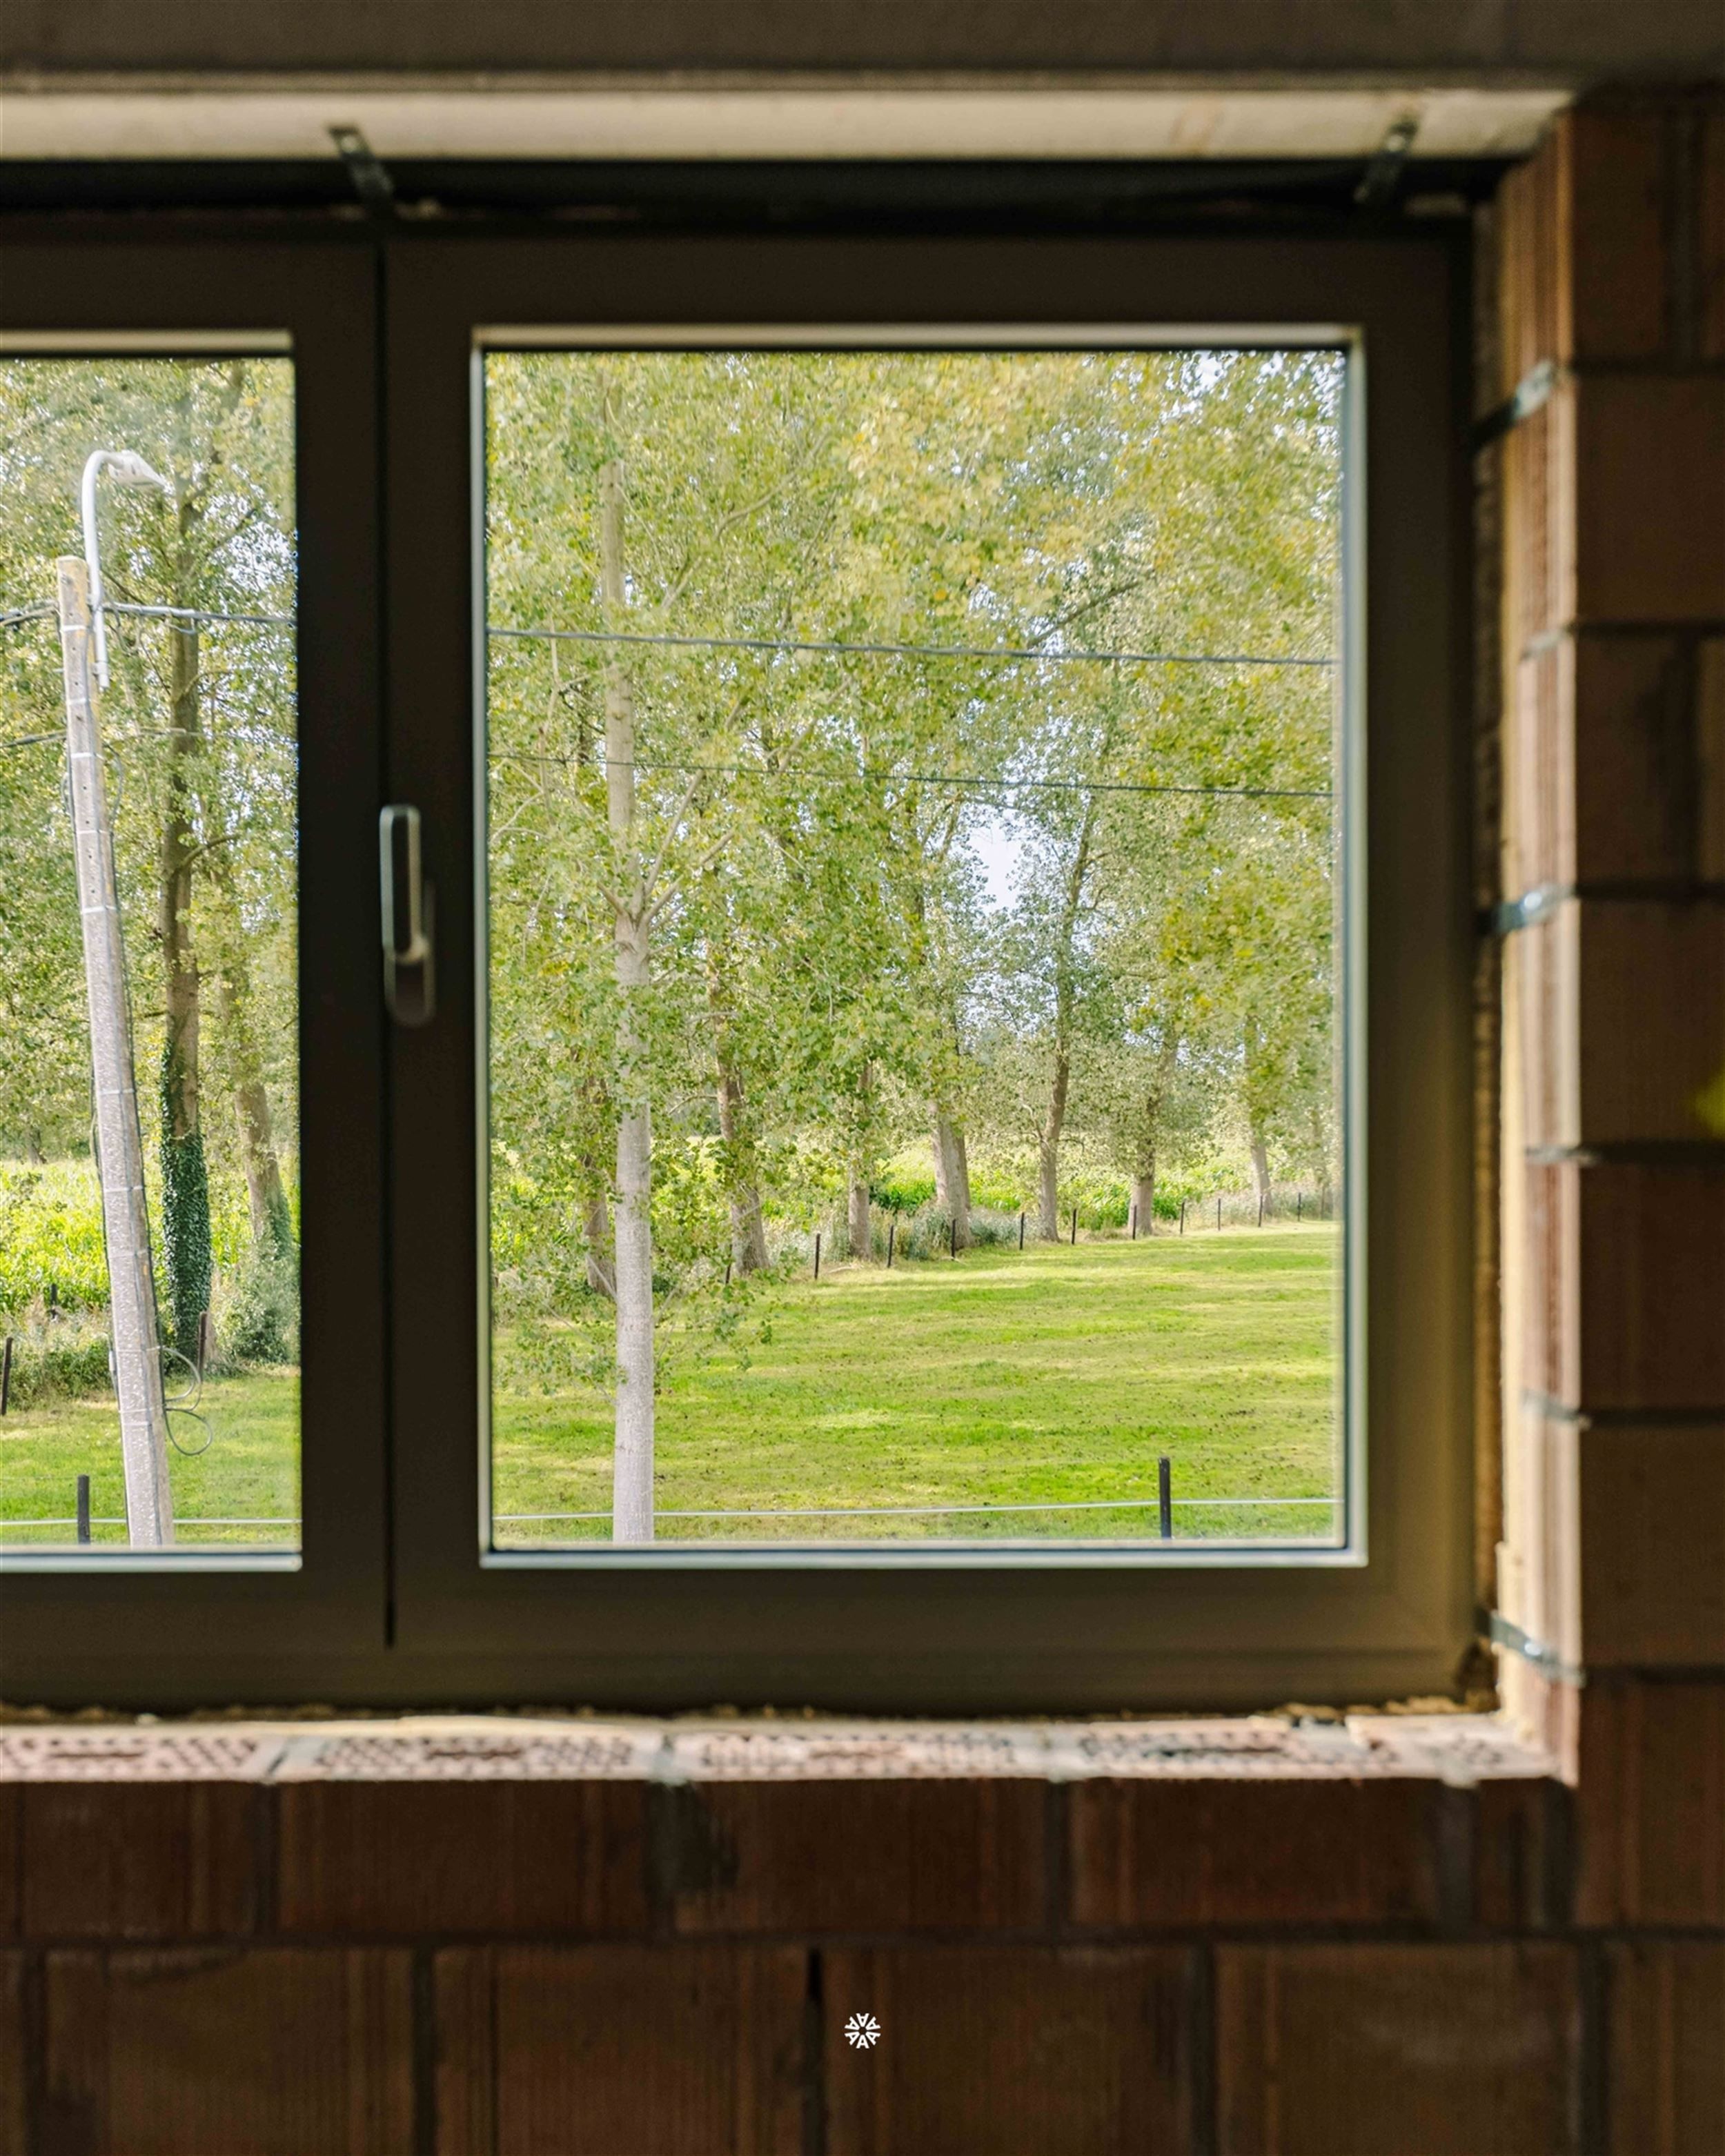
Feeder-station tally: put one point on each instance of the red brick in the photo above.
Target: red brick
(1538, 525)
(1710, 759)
(861, 1856)
(141, 1859)
(1519, 1851)
(1666, 2076)
(1652, 1542)
(12, 2120)
(1610, 239)
(1624, 1283)
(1650, 981)
(1712, 235)
(1356, 2051)
(1651, 1244)
(1634, 761)
(1650, 498)
(1019, 2050)
(1539, 770)
(1649, 1847)
(257, 2052)
(686, 2051)
(397, 1858)
(1215, 1852)
(1527, 267)
(12, 1816)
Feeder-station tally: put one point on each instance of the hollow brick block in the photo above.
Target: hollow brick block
(1625, 1281)
(1215, 1852)
(1651, 1535)
(1603, 982)
(683, 2051)
(394, 1858)
(1611, 258)
(11, 1808)
(254, 2052)
(1651, 1796)
(1712, 223)
(1356, 2051)
(858, 1856)
(1008, 2051)
(1649, 497)
(1666, 2072)
(12, 2120)
(143, 1860)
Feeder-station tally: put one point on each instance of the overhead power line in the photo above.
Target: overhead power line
(929, 778)
(544, 633)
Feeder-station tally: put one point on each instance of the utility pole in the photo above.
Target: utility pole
(119, 1143)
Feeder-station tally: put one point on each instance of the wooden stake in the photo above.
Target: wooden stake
(5, 1375)
(84, 1508)
(1164, 1498)
(816, 1253)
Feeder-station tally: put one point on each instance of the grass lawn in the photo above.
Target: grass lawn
(1052, 1377)
(250, 1470)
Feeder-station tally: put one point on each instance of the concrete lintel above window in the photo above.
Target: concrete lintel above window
(182, 117)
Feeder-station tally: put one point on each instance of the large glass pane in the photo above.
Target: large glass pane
(148, 1021)
(915, 1029)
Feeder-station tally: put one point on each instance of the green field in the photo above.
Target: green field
(1055, 1377)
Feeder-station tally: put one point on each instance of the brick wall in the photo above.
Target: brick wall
(1262, 1967)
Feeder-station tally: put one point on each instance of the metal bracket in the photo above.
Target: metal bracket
(1383, 175)
(1534, 1652)
(1530, 909)
(1535, 388)
(371, 179)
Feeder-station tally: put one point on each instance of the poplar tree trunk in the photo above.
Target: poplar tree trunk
(1048, 1225)
(632, 1471)
(952, 1175)
(1144, 1190)
(856, 1216)
(185, 1181)
(743, 1184)
(595, 1207)
(1260, 1168)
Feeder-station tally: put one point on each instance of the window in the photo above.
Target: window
(152, 1357)
(871, 481)
(912, 950)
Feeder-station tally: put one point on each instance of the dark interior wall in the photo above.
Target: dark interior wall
(1566, 40)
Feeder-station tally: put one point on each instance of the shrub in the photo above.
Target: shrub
(74, 1367)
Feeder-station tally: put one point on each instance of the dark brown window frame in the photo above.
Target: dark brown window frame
(400, 1606)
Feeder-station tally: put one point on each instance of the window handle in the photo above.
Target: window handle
(407, 902)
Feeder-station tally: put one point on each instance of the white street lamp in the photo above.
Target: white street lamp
(129, 468)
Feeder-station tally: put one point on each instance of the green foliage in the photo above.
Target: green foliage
(58, 1362)
(51, 1238)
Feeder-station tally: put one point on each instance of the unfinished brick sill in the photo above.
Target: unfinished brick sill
(1460, 1750)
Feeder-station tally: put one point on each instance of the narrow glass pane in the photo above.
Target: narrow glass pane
(913, 904)
(149, 1184)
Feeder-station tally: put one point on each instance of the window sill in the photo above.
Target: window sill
(1460, 1750)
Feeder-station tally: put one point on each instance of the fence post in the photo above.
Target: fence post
(1021, 1231)
(1218, 1216)
(1183, 1216)
(816, 1253)
(1261, 1209)
(952, 1233)
(1164, 1498)
(1135, 1224)
(729, 1262)
(891, 1231)
(1299, 1205)
(5, 1375)
(84, 1508)
(1075, 1227)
